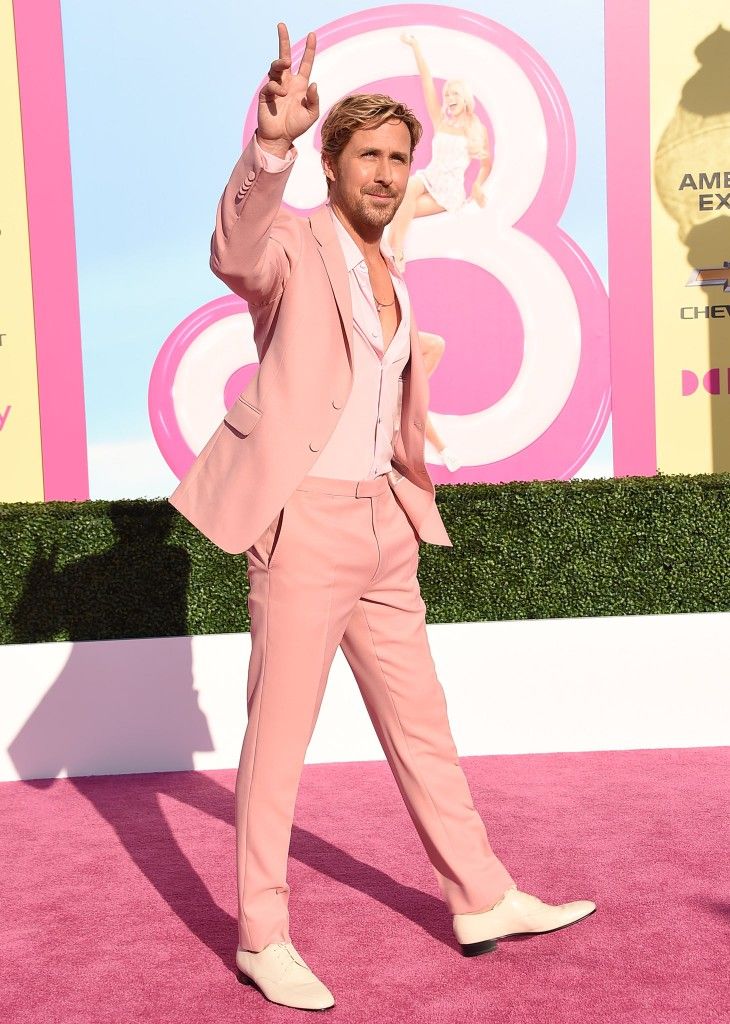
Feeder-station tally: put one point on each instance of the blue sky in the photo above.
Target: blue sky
(157, 94)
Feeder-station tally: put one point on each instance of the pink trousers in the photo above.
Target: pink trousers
(337, 566)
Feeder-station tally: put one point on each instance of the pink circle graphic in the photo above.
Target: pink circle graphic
(164, 416)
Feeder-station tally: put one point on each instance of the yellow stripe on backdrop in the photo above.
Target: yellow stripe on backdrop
(21, 466)
(690, 128)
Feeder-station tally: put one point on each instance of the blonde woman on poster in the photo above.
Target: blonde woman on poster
(459, 137)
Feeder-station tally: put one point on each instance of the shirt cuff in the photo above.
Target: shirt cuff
(269, 161)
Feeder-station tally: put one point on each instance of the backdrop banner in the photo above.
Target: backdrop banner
(690, 143)
(508, 278)
(598, 151)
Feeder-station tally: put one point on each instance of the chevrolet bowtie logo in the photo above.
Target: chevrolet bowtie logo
(711, 276)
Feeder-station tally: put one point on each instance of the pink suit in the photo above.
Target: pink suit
(291, 272)
(335, 564)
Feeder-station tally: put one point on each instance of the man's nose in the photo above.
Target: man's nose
(384, 171)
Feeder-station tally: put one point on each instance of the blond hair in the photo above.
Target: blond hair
(363, 110)
(476, 132)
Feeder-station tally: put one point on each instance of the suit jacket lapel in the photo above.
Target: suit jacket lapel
(334, 263)
(414, 405)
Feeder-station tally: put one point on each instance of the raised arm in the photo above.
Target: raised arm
(429, 90)
(243, 254)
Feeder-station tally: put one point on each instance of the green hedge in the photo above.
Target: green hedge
(634, 545)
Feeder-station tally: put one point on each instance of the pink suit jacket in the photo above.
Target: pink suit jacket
(292, 273)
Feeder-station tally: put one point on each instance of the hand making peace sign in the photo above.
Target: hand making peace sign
(288, 103)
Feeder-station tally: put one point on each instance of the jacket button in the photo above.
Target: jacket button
(250, 176)
(417, 423)
(312, 447)
(336, 404)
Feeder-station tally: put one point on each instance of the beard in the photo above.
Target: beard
(366, 212)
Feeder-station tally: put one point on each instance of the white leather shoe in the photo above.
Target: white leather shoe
(516, 913)
(283, 977)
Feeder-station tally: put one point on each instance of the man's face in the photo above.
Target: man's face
(369, 180)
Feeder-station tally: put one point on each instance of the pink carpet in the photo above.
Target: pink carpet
(118, 895)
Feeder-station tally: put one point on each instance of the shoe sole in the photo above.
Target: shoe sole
(487, 945)
(477, 948)
(246, 980)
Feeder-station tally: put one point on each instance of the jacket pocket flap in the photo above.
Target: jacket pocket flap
(243, 416)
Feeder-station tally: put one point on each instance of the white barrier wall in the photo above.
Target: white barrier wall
(546, 685)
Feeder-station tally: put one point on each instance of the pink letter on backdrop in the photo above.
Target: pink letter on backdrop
(524, 384)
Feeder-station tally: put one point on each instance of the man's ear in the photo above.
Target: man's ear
(327, 167)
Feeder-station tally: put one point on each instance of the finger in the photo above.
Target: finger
(272, 89)
(305, 66)
(311, 97)
(270, 102)
(284, 47)
(278, 67)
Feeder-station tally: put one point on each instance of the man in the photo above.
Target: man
(325, 445)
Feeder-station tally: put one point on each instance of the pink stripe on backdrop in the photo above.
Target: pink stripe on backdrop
(629, 236)
(42, 84)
